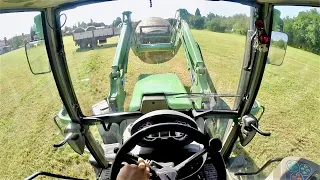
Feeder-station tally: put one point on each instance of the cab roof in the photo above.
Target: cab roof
(20, 5)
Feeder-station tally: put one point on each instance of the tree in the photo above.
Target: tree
(117, 22)
(16, 41)
(211, 16)
(66, 28)
(307, 29)
(74, 27)
(280, 44)
(239, 24)
(197, 13)
(288, 29)
(172, 21)
(216, 25)
(196, 22)
(83, 25)
(304, 30)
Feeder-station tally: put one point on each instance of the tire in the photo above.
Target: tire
(94, 43)
(83, 45)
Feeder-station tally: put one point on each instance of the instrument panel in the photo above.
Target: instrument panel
(166, 138)
(166, 134)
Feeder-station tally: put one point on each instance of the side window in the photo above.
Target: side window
(27, 102)
(90, 38)
(290, 93)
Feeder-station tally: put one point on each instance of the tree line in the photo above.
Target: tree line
(238, 23)
(16, 41)
(303, 31)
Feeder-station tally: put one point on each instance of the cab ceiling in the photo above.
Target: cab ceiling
(40, 4)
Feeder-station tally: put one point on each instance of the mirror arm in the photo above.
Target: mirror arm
(259, 131)
(65, 140)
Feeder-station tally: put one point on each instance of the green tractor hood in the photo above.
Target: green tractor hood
(159, 84)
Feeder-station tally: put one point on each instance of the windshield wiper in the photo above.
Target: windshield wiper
(195, 95)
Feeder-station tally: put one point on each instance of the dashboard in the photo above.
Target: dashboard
(166, 138)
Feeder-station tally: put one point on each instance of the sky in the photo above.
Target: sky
(17, 23)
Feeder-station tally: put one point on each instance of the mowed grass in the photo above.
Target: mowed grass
(90, 69)
(28, 103)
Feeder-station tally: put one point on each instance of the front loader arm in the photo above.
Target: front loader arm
(119, 67)
(201, 81)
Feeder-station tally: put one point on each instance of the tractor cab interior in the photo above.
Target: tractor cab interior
(165, 98)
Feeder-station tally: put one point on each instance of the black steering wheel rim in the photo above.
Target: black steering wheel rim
(132, 141)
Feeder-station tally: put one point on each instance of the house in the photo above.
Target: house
(4, 46)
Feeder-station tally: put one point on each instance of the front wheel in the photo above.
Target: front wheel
(83, 45)
(94, 43)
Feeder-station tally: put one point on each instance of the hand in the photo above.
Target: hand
(134, 172)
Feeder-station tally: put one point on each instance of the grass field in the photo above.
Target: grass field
(28, 103)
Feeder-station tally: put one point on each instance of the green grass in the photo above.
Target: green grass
(38, 58)
(276, 55)
(28, 103)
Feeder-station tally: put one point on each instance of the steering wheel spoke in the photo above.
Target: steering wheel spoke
(190, 159)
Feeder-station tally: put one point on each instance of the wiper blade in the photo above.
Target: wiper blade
(195, 95)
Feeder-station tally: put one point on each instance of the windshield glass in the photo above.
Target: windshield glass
(123, 56)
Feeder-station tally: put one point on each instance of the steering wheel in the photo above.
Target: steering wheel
(212, 147)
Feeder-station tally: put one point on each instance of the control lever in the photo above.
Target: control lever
(42, 173)
(74, 137)
(69, 136)
(259, 131)
(259, 170)
(249, 127)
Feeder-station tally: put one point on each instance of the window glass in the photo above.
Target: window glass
(290, 94)
(28, 104)
(210, 64)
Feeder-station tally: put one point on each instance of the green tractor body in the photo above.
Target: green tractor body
(36, 30)
(159, 84)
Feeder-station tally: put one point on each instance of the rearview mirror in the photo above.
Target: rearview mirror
(37, 57)
(278, 47)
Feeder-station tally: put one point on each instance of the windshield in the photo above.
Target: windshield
(121, 55)
(289, 93)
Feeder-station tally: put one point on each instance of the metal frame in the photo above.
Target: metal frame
(254, 77)
(61, 75)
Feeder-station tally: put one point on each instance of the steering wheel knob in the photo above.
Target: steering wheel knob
(215, 144)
